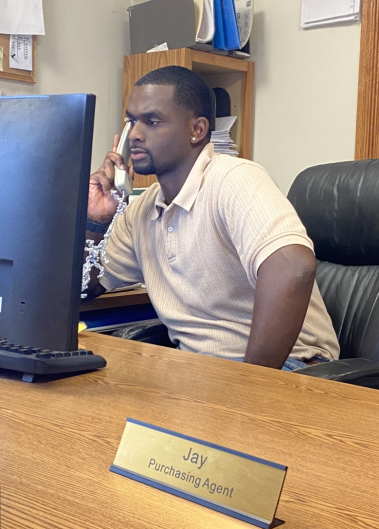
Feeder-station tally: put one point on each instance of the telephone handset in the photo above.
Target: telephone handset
(122, 180)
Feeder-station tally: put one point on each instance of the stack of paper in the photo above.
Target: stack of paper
(204, 20)
(320, 12)
(221, 139)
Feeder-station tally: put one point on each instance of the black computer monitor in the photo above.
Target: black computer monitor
(45, 154)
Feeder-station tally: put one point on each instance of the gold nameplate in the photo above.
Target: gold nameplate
(234, 483)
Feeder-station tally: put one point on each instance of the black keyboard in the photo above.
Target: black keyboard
(33, 361)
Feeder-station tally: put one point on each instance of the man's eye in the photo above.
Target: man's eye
(152, 122)
(131, 121)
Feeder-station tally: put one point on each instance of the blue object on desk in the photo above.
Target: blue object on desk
(117, 316)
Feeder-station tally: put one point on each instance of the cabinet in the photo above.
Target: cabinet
(235, 75)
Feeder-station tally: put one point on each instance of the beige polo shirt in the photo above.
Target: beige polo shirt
(200, 255)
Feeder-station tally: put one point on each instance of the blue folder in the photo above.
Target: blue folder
(226, 34)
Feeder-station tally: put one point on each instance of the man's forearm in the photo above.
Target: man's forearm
(284, 286)
(94, 288)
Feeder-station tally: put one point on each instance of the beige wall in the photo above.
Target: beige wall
(306, 81)
(305, 90)
(83, 51)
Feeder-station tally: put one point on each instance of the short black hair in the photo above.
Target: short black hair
(191, 90)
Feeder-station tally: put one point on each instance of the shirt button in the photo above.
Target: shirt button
(170, 229)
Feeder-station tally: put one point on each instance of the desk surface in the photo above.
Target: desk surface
(58, 440)
(138, 296)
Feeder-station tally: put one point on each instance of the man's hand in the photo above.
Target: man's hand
(284, 286)
(101, 205)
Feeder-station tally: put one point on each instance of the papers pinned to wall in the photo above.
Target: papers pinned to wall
(20, 52)
(21, 17)
(322, 12)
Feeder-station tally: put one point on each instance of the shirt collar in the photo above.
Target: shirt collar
(187, 195)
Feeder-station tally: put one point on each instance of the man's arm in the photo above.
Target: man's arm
(101, 207)
(94, 288)
(282, 294)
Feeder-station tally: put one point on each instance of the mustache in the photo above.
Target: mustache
(133, 146)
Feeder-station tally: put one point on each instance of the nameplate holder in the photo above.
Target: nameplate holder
(231, 482)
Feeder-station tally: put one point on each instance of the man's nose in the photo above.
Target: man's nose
(136, 132)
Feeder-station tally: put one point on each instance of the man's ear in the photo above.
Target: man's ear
(200, 128)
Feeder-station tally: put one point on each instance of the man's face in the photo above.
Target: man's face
(160, 129)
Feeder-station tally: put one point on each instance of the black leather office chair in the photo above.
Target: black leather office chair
(339, 205)
(153, 332)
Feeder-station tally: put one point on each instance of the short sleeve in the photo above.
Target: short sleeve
(257, 216)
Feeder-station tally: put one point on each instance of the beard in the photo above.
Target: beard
(145, 166)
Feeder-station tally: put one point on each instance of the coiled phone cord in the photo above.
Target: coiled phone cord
(97, 252)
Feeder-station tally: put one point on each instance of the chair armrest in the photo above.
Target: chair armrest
(358, 371)
(154, 333)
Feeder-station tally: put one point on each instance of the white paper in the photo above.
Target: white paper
(244, 13)
(225, 123)
(160, 47)
(220, 137)
(351, 18)
(20, 52)
(21, 17)
(204, 20)
(320, 12)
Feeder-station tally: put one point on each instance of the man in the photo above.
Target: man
(226, 261)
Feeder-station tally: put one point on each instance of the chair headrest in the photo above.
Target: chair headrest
(338, 204)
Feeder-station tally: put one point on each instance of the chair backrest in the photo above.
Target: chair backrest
(338, 204)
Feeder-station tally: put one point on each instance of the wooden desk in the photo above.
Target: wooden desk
(138, 296)
(58, 440)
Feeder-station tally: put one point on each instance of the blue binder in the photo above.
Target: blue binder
(226, 34)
